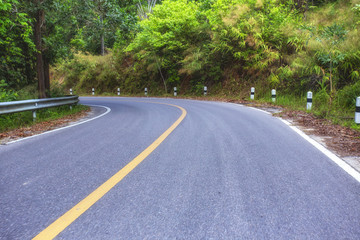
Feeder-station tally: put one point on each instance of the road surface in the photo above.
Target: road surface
(226, 171)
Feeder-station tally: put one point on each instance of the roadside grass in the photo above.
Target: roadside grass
(334, 112)
(288, 101)
(25, 119)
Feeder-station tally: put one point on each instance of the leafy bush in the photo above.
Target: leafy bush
(346, 97)
(321, 102)
(5, 94)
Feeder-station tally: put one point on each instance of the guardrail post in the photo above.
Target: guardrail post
(309, 101)
(205, 90)
(93, 91)
(118, 91)
(273, 95)
(146, 91)
(252, 93)
(175, 91)
(357, 111)
(34, 113)
(71, 93)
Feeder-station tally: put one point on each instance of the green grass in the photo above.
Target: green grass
(288, 101)
(25, 119)
(335, 113)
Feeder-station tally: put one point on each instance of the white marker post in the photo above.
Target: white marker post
(309, 101)
(146, 91)
(34, 113)
(118, 91)
(205, 91)
(252, 93)
(357, 111)
(93, 91)
(175, 91)
(273, 95)
(71, 93)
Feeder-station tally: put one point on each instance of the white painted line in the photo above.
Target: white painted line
(346, 167)
(260, 110)
(236, 104)
(69, 126)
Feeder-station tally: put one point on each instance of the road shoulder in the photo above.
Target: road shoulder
(48, 126)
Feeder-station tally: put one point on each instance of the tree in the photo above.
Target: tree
(16, 45)
(39, 22)
(99, 21)
(170, 30)
(330, 55)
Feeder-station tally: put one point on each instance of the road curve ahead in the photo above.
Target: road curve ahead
(224, 171)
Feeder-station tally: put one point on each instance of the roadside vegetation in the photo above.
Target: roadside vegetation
(25, 119)
(293, 46)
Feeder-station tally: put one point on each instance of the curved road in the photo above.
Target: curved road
(225, 172)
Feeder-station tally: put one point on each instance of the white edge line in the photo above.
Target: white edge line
(254, 108)
(341, 163)
(69, 126)
(260, 110)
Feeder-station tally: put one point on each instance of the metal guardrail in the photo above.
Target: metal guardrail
(35, 104)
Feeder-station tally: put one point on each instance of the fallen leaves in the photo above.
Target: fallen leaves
(345, 141)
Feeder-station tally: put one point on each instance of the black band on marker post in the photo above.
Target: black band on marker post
(309, 100)
(357, 109)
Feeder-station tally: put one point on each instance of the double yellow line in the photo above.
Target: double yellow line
(70, 216)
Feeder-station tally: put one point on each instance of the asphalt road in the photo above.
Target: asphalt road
(226, 172)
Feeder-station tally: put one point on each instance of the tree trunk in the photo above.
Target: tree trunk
(29, 73)
(46, 76)
(102, 45)
(39, 58)
(102, 37)
(162, 77)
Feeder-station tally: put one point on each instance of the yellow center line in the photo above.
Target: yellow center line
(65, 220)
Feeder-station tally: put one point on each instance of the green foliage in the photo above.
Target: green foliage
(84, 72)
(15, 45)
(330, 56)
(172, 29)
(321, 102)
(113, 19)
(346, 97)
(6, 95)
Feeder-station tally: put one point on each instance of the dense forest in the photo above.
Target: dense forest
(49, 46)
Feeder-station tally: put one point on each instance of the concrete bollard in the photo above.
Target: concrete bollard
(118, 91)
(273, 95)
(146, 91)
(252, 93)
(71, 93)
(93, 91)
(205, 91)
(175, 91)
(357, 111)
(309, 101)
